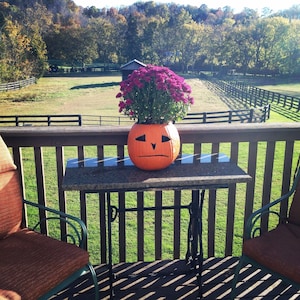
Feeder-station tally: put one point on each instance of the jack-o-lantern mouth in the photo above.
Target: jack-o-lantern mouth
(154, 155)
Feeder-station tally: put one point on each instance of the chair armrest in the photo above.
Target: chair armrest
(78, 227)
(251, 228)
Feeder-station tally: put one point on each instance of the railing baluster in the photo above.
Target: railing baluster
(102, 213)
(17, 157)
(267, 182)
(250, 190)
(212, 211)
(231, 204)
(103, 228)
(122, 228)
(286, 174)
(41, 188)
(177, 225)
(140, 226)
(60, 170)
(158, 225)
(211, 222)
(82, 195)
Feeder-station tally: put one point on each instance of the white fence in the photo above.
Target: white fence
(4, 87)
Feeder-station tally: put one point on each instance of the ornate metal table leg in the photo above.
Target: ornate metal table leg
(110, 220)
(194, 255)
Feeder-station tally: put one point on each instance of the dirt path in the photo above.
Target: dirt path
(205, 99)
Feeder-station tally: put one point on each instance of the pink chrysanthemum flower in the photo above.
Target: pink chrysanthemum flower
(154, 94)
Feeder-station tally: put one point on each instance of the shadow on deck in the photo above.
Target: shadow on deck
(171, 279)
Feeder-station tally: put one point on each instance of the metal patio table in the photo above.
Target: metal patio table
(189, 172)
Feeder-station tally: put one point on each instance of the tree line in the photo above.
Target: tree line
(183, 37)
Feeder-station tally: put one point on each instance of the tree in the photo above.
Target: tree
(22, 55)
(72, 45)
(164, 34)
(243, 48)
(172, 39)
(192, 39)
(36, 19)
(132, 39)
(157, 46)
(14, 47)
(220, 45)
(103, 31)
(269, 35)
(149, 41)
(290, 62)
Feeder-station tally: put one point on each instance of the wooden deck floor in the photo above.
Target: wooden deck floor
(172, 280)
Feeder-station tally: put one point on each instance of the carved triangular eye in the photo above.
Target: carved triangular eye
(141, 138)
(165, 139)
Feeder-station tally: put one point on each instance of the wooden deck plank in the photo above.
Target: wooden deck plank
(172, 279)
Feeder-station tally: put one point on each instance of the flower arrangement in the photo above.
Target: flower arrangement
(154, 95)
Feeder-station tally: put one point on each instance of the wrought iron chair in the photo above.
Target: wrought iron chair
(33, 265)
(278, 250)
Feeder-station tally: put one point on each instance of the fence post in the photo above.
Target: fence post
(79, 120)
(284, 101)
(230, 117)
(251, 113)
(273, 96)
(268, 111)
(292, 102)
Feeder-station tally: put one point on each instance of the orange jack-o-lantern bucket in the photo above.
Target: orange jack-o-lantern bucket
(153, 146)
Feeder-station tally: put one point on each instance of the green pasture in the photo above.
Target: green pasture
(82, 95)
(96, 96)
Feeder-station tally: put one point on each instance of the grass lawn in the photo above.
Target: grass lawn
(95, 95)
(64, 95)
(291, 89)
(86, 96)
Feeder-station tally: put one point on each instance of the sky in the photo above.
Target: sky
(237, 5)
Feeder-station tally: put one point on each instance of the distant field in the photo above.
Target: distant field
(291, 89)
(86, 96)
(95, 95)
(287, 86)
(64, 95)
